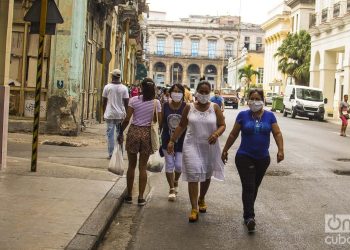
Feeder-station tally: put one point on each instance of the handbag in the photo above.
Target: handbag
(155, 130)
(116, 164)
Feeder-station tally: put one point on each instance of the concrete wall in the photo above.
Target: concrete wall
(66, 68)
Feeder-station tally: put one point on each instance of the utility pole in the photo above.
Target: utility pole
(42, 30)
(238, 41)
(42, 24)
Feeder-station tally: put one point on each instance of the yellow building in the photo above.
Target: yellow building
(256, 59)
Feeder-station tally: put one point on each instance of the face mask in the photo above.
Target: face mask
(176, 97)
(255, 106)
(203, 99)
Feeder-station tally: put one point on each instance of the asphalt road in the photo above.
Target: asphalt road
(290, 209)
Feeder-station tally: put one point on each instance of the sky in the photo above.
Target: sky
(252, 11)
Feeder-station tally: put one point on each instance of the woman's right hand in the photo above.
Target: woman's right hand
(170, 148)
(224, 157)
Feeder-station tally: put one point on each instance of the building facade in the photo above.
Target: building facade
(256, 59)
(73, 77)
(199, 46)
(289, 16)
(276, 30)
(330, 52)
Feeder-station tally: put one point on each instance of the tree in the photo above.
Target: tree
(141, 71)
(294, 57)
(248, 72)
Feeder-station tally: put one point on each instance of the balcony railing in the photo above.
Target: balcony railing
(336, 10)
(312, 20)
(324, 15)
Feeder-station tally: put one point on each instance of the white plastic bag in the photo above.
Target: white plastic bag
(155, 163)
(116, 164)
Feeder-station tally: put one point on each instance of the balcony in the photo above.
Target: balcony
(336, 10)
(312, 22)
(324, 15)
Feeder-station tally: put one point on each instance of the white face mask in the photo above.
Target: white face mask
(203, 99)
(176, 97)
(255, 106)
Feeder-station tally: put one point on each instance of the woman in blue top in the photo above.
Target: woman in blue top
(218, 100)
(171, 117)
(252, 158)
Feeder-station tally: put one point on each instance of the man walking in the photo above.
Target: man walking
(115, 101)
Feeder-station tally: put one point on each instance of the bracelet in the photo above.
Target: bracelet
(217, 134)
(171, 141)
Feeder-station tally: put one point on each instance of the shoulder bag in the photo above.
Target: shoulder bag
(155, 129)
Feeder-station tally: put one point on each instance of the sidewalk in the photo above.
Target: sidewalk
(68, 202)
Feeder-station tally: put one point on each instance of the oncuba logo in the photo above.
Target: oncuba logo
(337, 223)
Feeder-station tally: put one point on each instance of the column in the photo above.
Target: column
(67, 67)
(346, 67)
(347, 80)
(218, 76)
(327, 80)
(202, 73)
(6, 19)
(168, 73)
(185, 75)
(150, 71)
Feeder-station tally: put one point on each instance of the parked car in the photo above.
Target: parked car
(230, 97)
(304, 102)
(268, 98)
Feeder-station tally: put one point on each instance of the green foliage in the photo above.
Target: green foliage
(294, 57)
(141, 71)
(248, 72)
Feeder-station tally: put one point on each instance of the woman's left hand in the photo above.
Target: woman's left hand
(280, 157)
(213, 138)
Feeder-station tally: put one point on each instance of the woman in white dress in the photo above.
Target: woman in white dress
(204, 122)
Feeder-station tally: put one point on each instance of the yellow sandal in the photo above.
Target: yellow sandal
(202, 206)
(193, 216)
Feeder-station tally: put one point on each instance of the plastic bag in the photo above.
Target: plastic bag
(155, 163)
(116, 164)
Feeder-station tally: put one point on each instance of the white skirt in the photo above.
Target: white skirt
(201, 161)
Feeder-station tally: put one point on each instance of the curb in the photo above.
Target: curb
(94, 228)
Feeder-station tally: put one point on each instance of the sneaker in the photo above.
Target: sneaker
(141, 202)
(172, 197)
(250, 223)
(128, 199)
(202, 206)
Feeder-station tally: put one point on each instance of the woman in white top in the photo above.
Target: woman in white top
(204, 122)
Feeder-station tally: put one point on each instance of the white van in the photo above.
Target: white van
(304, 101)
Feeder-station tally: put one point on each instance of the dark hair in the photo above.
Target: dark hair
(201, 83)
(259, 91)
(148, 89)
(179, 86)
(117, 77)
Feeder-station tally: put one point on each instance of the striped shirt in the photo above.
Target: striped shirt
(143, 111)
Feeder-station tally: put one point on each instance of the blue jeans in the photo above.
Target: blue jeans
(111, 139)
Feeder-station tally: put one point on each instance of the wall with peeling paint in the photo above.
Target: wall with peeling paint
(66, 69)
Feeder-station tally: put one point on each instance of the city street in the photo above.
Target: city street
(290, 210)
